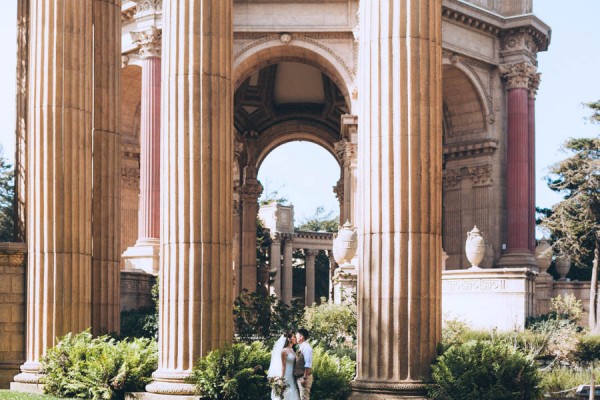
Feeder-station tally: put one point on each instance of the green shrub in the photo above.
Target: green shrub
(235, 372)
(588, 349)
(81, 366)
(331, 326)
(142, 322)
(480, 370)
(332, 376)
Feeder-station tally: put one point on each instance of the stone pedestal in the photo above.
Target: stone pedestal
(344, 283)
(400, 180)
(12, 310)
(144, 255)
(136, 290)
(59, 177)
(196, 282)
(489, 298)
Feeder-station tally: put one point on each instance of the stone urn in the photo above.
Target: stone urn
(563, 265)
(475, 247)
(543, 255)
(345, 244)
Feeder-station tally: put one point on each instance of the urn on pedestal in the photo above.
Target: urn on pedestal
(563, 265)
(543, 255)
(475, 247)
(345, 244)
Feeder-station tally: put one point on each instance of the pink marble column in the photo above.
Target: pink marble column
(519, 180)
(144, 255)
(533, 85)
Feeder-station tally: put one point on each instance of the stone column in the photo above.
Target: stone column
(144, 255)
(249, 193)
(59, 177)
(310, 276)
(196, 189)
(106, 196)
(533, 86)
(236, 244)
(275, 260)
(400, 181)
(518, 169)
(287, 280)
(21, 119)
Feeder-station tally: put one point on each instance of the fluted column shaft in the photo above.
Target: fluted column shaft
(287, 280)
(400, 175)
(106, 197)
(531, 129)
(197, 193)
(59, 176)
(275, 261)
(517, 177)
(310, 277)
(149, 219)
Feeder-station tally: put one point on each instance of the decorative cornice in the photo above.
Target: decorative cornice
(470, 149)
(149, 41)
(313, 235)
(147, 7)
(519, 75)
(471, 21)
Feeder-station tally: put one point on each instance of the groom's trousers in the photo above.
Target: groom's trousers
(305, 389)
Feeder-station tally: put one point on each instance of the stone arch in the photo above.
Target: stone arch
(272, 50)
(291, 131)
(464, 102)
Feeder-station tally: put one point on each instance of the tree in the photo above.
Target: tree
(7, 197)
(575, 221)
(320, 221)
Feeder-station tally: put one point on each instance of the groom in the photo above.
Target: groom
(303, 367)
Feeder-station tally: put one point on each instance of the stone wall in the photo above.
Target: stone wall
(546, 288)
(136, 290)
(12, 310)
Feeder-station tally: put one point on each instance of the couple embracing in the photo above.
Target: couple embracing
(291, 371)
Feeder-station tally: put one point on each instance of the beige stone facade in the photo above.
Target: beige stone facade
(424, 127)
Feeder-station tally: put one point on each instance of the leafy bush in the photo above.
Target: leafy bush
(588, 349)
(332, 326)
(332, 376)
(84, 367)
(567, 307)
(142, 322)
(561, 336)
(480, 370)
(235, 372)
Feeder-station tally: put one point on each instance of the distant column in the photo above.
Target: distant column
(144, 255)
(196, 185)
(310, 276)
(275, 261)
(249, 193)
(287, 272)
(400, 181)
(519, 202)
(59, 177)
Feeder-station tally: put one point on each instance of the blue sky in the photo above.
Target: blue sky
(305, 173)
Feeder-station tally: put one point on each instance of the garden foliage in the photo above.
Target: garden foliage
(81, 366)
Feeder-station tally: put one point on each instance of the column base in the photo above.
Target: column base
(144, 256)
(368, 390)
(170, 383)
(28, 380)
(518, 259)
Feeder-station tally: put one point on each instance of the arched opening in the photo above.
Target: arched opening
(301, 175)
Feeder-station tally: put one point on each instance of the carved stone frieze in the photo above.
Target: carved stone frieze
(470, 149)
(519, 41)
(148, 7)
(474, 285)
(479, 175)
(149, 41)
(519, 75)
(130, 177)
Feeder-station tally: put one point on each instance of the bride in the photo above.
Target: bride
(282, 365)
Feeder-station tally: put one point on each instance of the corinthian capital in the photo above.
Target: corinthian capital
(250, 192)
(534, 84)
(346, 151)
(149, 41)
(519, 75)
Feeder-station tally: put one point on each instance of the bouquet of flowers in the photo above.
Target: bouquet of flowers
(278, 385)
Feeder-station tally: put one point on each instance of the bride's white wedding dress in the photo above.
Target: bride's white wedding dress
(291, 392)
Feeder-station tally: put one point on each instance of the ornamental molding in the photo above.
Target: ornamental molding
(338, 189)
(250, 192)
(473, 285)
(470, 149)
(148, 7)
(534, 84)
(346, 152)
(518, 41)
(479, 175)
(518, 75)
(149, 41)
(127, 15)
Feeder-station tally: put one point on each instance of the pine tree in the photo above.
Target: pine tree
(7, 195)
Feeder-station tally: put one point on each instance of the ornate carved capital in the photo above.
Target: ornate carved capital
(250, 192)
(481, 174)
(346, 151)
(518, 76)
(534, 84)
(149, 41)
(238, 148)
(147, 7)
